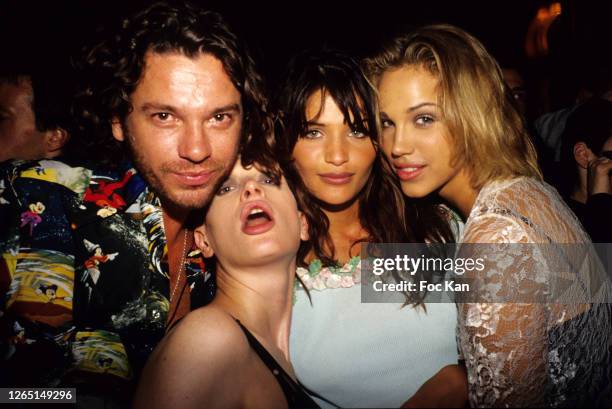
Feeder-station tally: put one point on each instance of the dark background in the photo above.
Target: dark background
(277, 29)
(51, 30)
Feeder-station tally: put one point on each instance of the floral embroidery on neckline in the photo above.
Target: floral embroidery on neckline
(317, 277)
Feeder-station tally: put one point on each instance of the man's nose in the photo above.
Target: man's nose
(194, 144)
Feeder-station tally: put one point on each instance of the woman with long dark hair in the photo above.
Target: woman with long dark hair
(328, 143)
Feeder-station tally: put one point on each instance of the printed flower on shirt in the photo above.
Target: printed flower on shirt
(319, 278)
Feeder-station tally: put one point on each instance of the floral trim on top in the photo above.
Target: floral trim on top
(319, 278)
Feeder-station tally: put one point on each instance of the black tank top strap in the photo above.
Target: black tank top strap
(294, 392)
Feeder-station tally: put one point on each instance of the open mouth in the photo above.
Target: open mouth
(256, 218)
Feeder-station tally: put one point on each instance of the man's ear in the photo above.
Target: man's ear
(117, 129)
(304, 236)
(55, 139)
(201, 239)
(582, 154)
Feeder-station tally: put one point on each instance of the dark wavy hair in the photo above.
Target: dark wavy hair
(383, 211)
(112, 67)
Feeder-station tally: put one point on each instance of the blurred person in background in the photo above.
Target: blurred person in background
(516, 85)
(35, 120)
(586, 166)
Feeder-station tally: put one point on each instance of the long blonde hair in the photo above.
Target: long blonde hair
(488, 133)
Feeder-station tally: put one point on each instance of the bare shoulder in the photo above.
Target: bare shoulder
(188, 367)
(206, 329)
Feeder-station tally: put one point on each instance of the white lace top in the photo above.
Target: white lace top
(533, 354)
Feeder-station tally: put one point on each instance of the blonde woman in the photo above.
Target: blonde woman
(450, 128)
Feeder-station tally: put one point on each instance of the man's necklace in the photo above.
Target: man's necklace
(181, 266)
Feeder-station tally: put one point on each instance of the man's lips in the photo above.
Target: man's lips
(194, 178)
(262, 223)
(408, 171)
(339, 178)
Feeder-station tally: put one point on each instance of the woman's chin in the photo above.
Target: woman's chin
(415, 192)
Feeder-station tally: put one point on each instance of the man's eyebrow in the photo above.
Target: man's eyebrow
(153, 106)
(421, 105)
(226, 108)
(149, 106)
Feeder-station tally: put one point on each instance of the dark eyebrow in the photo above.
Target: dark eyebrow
(158, 107)
(314, 123)
(163, 107)
(421, 105)
(226, 108)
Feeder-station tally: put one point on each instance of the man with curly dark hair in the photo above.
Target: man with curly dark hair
(164, 107)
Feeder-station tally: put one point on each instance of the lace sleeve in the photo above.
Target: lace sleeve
(504, 345)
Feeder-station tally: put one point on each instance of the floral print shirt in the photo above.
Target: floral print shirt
(84, 278)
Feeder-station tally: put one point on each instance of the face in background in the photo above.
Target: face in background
(516, 84)
(415, 137)
(184, 128)
(606, 151)
(253, 220)
(19, 137)
(333, 160)
(584, 155)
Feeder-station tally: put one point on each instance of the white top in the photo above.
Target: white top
(368, 355)
(537, 353)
